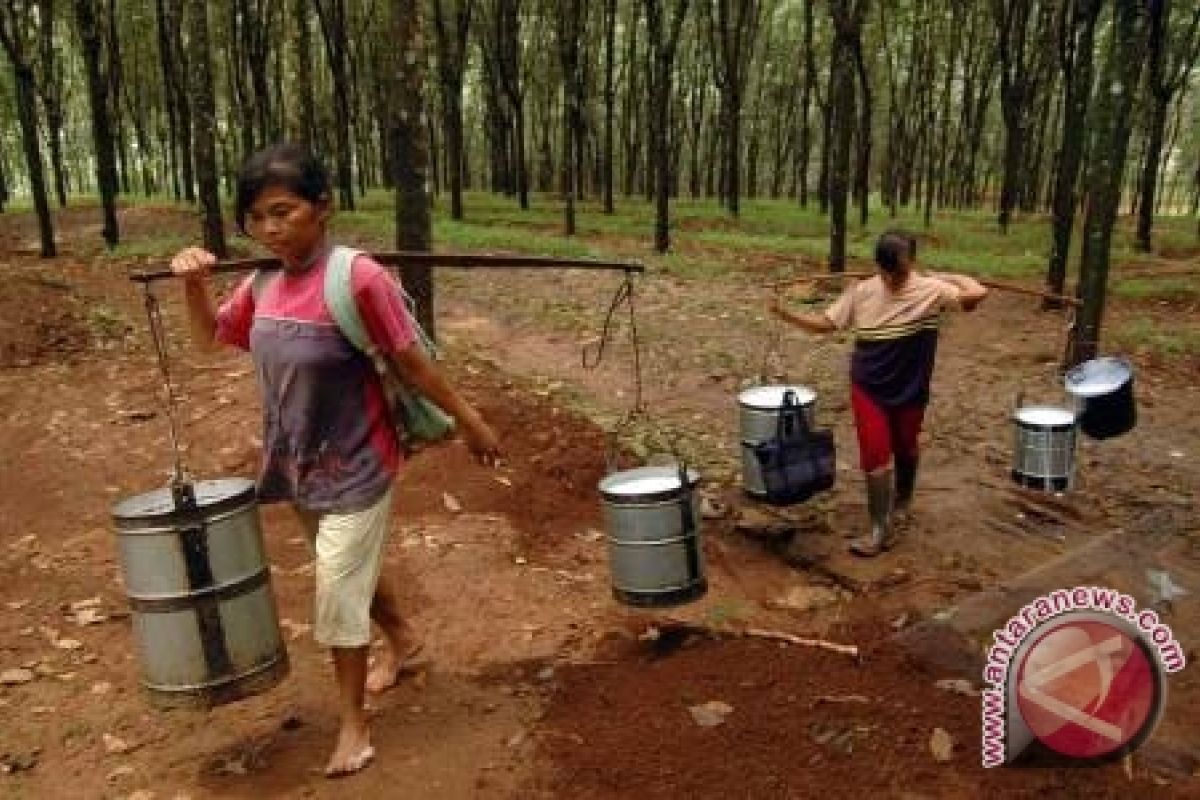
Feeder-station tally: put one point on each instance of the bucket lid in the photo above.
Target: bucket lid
(645, 484)
(1044, 415)
(1098, 376)
(160, 503)
(771, 397)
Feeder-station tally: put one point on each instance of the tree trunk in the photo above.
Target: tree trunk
(664, 38)
(810, 82)
(305, 121)
(102, 138)
(570, 28)
(1111, 125)
(205, 109)
(27, 116)
(610, 99)
(847, 22)
(410, 155)
(1171, 59)
(332, 16)
(3, 184)
(451, 43)
(1078, 46)
(862, 174)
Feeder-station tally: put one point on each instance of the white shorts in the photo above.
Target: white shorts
(349, 550)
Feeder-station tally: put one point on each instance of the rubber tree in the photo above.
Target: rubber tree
(1075, 51)
(663, 26)
(92, 45)
(16, 38)
(848, 18)
(1172, 49)
(1110, 124)
(410, 154)
(452, 25)
(204, 137)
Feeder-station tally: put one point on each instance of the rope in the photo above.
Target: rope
(158, 334)
(624, 294)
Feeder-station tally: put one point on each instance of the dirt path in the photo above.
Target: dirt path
(537, 683)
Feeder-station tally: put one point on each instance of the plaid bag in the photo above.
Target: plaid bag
(798, 462)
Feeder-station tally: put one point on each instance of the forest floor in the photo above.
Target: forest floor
(534, 682)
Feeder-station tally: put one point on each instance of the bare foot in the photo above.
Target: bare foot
(352, 753)
(390, 664)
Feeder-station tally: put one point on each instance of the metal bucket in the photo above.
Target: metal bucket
(198, 582)
(1104, 387)
(654, 546)
(1044, 447)
(758, 421)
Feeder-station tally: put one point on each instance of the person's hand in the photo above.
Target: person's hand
(193, 264)
(482, 441)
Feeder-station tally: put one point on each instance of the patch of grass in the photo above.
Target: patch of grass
(108, 323)
(143, 247)
(691, 267)
(1157, 288)
(1147, 334)
(474, 236)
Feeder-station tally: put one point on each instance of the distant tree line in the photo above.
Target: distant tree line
(1057, 107)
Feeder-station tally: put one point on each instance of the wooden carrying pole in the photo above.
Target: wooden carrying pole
(991, 284)
(396, 259)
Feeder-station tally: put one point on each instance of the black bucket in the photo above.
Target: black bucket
(1104, 387)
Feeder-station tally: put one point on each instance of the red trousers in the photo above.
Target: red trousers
(884, 431)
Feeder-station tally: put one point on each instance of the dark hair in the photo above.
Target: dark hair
(286, 165)
(892, 248)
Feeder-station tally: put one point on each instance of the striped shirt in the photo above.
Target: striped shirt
(895, 335)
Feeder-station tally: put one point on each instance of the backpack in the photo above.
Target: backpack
(418, 420)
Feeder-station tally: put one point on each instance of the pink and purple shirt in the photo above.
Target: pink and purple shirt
(328, 439)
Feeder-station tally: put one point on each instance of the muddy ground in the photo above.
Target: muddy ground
(535, 683)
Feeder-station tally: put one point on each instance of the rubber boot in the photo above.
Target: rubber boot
(906, 482)
(879, 506)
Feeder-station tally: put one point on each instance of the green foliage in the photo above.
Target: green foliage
(1144, 333)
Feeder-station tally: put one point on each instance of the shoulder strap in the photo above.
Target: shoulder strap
(339, 298)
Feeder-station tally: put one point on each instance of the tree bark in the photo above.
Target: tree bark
(1076, 55)
(1170, 62)
(1111, 125)
(663, 35)
(205, 110)
(12, 37)
(732, 29)
(450, 38)
(570, 28)
(51, 88)
(332, 16)
(102, 138)
(804, 156)
(847, 21)
(610, 100)
(410, 155)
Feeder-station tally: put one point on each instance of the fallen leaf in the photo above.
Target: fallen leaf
(710, 714)
(115, 745)
(941, 744)
(958, 685)
(15, 677)
(89, 616)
